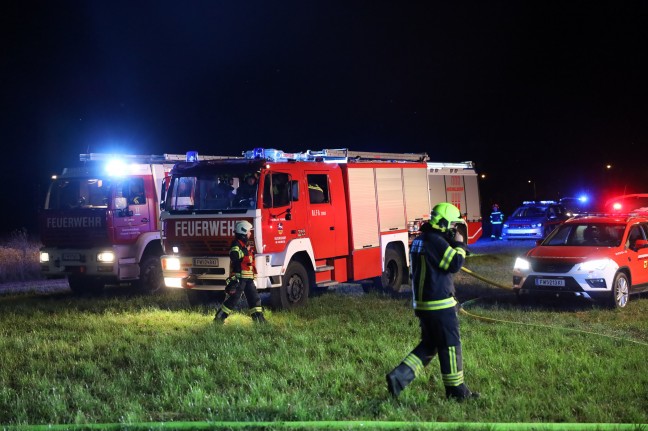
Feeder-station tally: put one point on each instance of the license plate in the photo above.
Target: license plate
(205, 261)
(553, 282)
(71, 256)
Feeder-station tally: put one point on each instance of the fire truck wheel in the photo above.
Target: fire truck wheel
(151, 280)
(295, 288)
(392, 277)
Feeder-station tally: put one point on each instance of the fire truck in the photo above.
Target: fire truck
(319, 218)
(100, 222)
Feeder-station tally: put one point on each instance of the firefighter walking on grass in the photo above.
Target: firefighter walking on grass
(436, 254)
(241, 279)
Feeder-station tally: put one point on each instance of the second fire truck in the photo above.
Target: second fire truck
(319, 218)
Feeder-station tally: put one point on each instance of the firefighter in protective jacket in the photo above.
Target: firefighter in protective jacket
(496, 219)
(436, 254)
(242, 273)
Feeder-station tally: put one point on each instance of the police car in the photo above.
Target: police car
(534, 220)
(603, 258)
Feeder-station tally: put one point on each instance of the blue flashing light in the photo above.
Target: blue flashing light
(258, 153)
(116, 167)
(583, 198)
(192, 156)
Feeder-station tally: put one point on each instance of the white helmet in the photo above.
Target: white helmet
(242, 227)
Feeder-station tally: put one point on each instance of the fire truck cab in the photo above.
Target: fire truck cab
(100, 222)
(319, 218)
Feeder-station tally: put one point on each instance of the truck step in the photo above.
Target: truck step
(328, 283)
(324, 268)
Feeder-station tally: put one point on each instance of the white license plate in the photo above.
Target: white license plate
(71, 256)
(205, 261)
(550, 282)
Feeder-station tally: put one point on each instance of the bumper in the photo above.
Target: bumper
(92, 262)
(593, 285)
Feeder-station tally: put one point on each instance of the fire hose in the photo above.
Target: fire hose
(463, 310)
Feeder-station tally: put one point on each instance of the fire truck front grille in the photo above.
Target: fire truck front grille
(205, 247)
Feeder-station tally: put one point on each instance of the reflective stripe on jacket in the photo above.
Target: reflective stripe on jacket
(242, 260)
(433, 265)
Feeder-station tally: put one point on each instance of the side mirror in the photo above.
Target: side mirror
(120, 203)
(641, 243)
(288, 214)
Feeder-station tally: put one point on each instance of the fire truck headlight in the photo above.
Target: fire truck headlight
(44, 257)
(171, 264)
(521, 264)
(106, 257)
(173, 282)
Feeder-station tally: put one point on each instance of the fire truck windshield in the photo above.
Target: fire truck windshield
(224, 191)
(70, 193)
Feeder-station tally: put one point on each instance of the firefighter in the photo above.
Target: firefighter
(242, 273)
(436, 254)
(496, 219)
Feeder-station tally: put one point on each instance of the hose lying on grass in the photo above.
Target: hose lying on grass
(537, 325)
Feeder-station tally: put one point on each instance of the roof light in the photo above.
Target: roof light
(116, 167)
(617, 206)
(192, 156)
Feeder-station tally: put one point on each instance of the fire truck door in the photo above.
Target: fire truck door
(135, 219)
(321, 215)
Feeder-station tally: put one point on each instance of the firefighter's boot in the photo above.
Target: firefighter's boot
(399, 378)
(258, 318)
(460, 393)
(257, 315)
(221, 315)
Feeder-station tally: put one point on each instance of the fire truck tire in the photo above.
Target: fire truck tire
(295, 288)
(80, 285)
(151, 280)
(392, 277)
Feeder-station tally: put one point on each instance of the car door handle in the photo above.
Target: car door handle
(332, 228)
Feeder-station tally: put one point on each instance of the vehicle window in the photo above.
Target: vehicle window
(529, 212)
(635, 234)
(276, 190)
(587, 235)
(135, 191)
(79, 193)
(318, 191)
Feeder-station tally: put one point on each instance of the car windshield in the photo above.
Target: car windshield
(587, 235)
(526, 212)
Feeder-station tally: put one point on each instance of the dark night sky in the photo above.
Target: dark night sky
(547, 91)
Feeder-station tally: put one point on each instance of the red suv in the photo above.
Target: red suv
(602, 258)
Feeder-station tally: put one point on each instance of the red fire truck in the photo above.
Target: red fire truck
(100, 222)
(319, 218)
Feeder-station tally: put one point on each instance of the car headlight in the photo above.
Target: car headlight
(44, 257)
(595, 265)
(106, 257)
(505, 225)
(536, 225)
(522, 264)
(171, 264)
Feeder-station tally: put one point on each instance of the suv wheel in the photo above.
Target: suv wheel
(620, 291)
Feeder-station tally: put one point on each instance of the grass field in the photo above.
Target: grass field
(119, 358)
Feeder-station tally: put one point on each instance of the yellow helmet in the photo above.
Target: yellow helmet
(443, 214)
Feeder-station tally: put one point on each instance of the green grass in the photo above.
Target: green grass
(126, 359)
